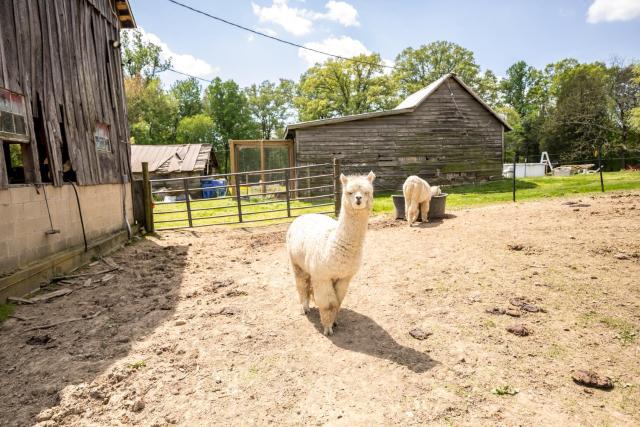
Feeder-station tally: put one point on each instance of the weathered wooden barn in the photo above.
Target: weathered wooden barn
(444, 133)
(64, 141)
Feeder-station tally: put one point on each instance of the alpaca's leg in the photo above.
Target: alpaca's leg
(304, 287)
(327, 302)
(412, 212)
(341, 286)
(424, 210)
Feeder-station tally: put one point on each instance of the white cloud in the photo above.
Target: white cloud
(299, 22)
(342, 12)
(613, 10)
(182, 62)
(289, 18)
(344, 46)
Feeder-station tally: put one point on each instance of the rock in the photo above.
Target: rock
(496, 310)
(512, 313)
(592, 379)
(137, 406)
(419, 334)
(39, 339)
(515, 247)
(180, 322)
(525, 305)
(519, 329)
(621, 256)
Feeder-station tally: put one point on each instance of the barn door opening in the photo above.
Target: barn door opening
(41, 142)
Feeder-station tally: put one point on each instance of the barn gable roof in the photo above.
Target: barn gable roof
(170, 158)
(409, 105)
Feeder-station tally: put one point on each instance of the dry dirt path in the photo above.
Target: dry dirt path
(203, 328)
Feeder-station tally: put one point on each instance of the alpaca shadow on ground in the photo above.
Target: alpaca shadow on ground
(357, 332)
(434, 222)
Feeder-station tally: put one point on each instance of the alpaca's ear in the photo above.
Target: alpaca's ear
(343, 179)
(371, 176)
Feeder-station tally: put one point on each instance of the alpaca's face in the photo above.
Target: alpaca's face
(357, 191)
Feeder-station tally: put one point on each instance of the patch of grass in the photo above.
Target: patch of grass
(556, 351)
(226, 211)
(6, 310)
(505, 390)
(626, 331)
(489, 323)
(138, 365)
(464, 196)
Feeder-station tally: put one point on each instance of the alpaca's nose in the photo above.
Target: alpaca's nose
(358, 199)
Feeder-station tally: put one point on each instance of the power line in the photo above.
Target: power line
(233, 24)
(189, 75)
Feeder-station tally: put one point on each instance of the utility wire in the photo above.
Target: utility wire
(189, 75)
(233, 24)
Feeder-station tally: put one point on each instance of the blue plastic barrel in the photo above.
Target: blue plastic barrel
(213, 188)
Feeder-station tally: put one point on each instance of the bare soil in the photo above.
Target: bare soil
(204, 328)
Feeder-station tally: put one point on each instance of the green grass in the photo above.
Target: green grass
(6, 310)
(461, 196)
(464, 196)
(226, 211)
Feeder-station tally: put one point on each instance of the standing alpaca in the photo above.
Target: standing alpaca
(417, 195)
(325, 253)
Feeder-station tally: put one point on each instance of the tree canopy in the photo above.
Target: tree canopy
(567, 108)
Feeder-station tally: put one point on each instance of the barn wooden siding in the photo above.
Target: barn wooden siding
(59, 55)
(446, 140)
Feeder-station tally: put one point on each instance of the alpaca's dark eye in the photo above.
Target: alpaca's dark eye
(350, 193)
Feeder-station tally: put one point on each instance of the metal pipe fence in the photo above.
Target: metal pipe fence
(238, 198)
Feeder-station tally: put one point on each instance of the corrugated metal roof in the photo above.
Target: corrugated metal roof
(407, 106)
(170, 158)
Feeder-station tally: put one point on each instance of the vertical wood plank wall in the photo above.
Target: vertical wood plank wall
(442, 140)
(59, 55)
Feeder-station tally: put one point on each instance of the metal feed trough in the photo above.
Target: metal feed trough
(436, 206)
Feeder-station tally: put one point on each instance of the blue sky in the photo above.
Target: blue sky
(498, 32)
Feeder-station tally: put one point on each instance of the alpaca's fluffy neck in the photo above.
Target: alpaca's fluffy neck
(348, 236)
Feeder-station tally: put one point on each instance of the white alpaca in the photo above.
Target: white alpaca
(417, 195)
(325, 253)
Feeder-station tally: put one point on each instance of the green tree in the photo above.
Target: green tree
(271, 105)
(227, 105)
(417, 68)
(141, 58)
(196, 129)
(151, 111)
(339, 87)
(579, 122)
(624, 91)
(188, 94)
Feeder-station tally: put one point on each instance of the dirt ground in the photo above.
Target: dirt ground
(204, 328)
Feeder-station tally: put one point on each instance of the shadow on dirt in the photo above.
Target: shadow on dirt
(434, 222)
(357, 332)
(111, 313)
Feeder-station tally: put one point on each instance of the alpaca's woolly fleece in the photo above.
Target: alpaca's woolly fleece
(417, 195)
(325, 253)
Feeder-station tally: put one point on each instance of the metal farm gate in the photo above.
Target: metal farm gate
(239, 198)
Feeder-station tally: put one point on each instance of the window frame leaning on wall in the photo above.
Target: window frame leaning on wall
(14, 131)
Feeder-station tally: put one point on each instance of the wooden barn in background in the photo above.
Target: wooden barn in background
(64, 141)
(444, 133)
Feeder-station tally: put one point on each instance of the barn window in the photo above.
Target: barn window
(102, 137)
(12, 116)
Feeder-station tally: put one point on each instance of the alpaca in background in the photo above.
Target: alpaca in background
(325, 253)
(417, 195)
